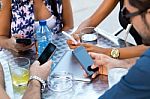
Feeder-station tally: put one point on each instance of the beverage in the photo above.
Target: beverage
(20, 76)
(19, 73)
(43, 36)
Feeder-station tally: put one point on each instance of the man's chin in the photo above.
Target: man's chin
(147, 43)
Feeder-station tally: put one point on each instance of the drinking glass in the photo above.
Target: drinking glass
(61, 81)
(89, 35)
(19, 73)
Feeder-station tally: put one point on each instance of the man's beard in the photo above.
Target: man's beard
(146, 41)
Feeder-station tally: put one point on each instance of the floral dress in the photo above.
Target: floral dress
(23, 17)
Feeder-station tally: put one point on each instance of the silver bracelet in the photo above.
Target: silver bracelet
(42, 82)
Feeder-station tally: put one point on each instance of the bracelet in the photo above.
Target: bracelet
(42, 82)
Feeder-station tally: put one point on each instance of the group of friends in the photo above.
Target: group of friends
(19, 19)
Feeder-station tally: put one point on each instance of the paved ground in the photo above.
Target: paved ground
(84, 8)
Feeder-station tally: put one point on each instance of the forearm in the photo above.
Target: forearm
(126, 52)
(3, 94)
(67, 15)
(99, 15)
(4, 42)
(130, 52)
(33, 91)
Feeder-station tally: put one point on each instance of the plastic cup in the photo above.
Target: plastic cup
(19, 73)
(88, 35)
(61, 81)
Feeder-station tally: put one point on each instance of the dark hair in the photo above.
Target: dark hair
(53, 7)
(143, 6)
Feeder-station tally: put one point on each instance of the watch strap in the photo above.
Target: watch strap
(42, 82)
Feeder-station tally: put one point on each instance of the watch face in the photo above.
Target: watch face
(115, 53)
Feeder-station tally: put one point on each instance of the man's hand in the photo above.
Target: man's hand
(42, 71)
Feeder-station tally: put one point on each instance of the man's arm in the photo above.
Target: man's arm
(134, 85)
(34, 86)
(3, 94)
(33, 91)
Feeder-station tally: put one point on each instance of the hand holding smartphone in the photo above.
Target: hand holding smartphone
(47, 53)
(85, 60)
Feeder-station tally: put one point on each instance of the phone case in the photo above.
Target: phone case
(47, 53)
(84, 59)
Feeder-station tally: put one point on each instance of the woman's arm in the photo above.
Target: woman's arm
(67, 15)
(99, 15)
(40, 10)
(126, 52)
(5, 15)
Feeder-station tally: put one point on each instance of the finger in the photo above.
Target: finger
(85, 74)
(36, 63)
(73, 47)
(95, 74)
(47, 64)
(93, 55)
(93, 66)
(99, 62)
(76, 37)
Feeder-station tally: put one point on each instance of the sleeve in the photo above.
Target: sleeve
(134, 85)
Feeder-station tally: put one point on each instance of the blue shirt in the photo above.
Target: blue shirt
(134, 85)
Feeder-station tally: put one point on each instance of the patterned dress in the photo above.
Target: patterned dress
(23, 17)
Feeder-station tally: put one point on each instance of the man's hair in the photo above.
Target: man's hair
(143, 6)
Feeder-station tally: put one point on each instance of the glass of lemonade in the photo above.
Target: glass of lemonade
(19, 73)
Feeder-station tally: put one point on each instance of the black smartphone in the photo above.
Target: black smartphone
(85, 60)
(47, 53)
(25, 41)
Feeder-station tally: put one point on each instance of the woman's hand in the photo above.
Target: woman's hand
(71, 44)
(16, 46)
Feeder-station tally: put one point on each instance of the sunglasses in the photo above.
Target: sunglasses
(127, 15)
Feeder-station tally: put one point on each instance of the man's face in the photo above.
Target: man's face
(139, 24)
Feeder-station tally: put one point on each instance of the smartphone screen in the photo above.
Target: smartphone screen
(84, 59)
(25, 41)
(47, 53)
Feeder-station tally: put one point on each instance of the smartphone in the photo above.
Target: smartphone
(47, 53)
(85, 60)
(25, 41)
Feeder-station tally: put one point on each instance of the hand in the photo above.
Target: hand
(42, 71)
(18, 47)
(104, 63)
(71, 44)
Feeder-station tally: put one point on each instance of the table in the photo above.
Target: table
(80, 89)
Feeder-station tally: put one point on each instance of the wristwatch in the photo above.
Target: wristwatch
(42, 82)
(115, 53)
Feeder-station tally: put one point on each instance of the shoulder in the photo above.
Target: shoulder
(145, 57)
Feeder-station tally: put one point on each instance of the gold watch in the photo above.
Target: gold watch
(115, 53)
